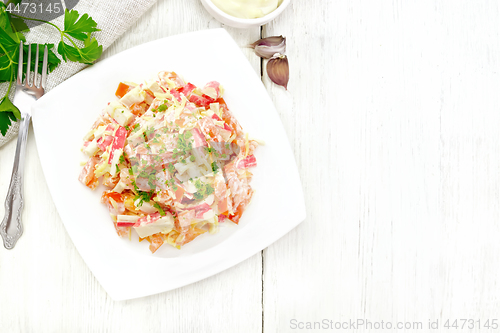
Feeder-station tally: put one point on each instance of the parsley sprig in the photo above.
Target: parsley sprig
(76, 45)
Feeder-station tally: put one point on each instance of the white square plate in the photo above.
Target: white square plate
(63, 116)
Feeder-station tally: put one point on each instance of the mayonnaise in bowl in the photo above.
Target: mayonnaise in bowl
(247, 9)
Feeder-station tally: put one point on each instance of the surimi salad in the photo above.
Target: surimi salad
(174, 159)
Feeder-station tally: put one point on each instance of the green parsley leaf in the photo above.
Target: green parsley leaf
(78, 27)
(160, 210)
(53, 60)
(5, 121)
(86, 55)
(7, 106)
(18, 25)
(8, 36)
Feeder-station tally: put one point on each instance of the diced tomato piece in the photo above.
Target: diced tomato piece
(221, 102)
(247, 162)
(122, 89)
(222, 218)
(179, 193)
(106, 198)
(156, 241)
(139, 109)
(237, 215)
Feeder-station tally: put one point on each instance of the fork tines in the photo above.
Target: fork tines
(28, 80)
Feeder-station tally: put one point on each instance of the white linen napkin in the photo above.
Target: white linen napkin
(112, 17)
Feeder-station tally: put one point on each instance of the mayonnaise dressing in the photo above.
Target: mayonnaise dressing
(247, 9)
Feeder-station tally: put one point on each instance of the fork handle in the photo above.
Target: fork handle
(11, 228)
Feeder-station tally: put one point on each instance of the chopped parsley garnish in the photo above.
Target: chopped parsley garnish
(183, 144)
(203, 190)
(160, 108)
(160, 210)
(136, 128)
(171, 183)
(163, 107)
(143, 196)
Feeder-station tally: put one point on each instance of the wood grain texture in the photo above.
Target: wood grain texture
(393, 115)
(46, 287)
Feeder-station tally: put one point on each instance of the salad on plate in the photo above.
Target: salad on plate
(174, 159)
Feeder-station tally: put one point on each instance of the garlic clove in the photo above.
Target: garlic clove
(269, 41)
(267, 47)
(277, 69)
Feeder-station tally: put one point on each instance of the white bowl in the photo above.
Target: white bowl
(239, 22)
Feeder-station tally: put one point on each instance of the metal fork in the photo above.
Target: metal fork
(27, 93)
